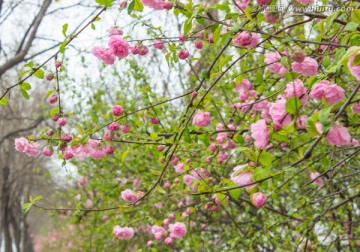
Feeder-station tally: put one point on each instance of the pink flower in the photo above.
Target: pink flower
(318, 180)
(125, 128)
(278, 112)
(168, 241)
(124, 233)
(295, 89)
(183, 54)
(158, 44)
(308, 67)
(356, 108)
(272, 59)
(155, 4)
(338, 135)
(260, 133)
(129, 196)
(77, 197)
(263, 2)
(243, 39)
(114, 126)
(52, 99)
(61, 121)
(331, 92)
(241, 177)
(301, 122)
(201, 119)
(179, 168)
(48, 151)
(118, 46)
(354, 69)
(89, 203)
(115, 31)
(149, 243)
(259, 199)
(82, 181)
(243, 4)
(212, 147)
(23, 145)
(188, 179)
(305, 2)
(270, 17)
(117, 110)
(158, 232)
(177, 230)
(167, 5)
(104, 55)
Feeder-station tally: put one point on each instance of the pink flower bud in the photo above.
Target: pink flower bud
(55, 117)
(183, 54)
(158, 44)
(125, 129)
(177, 181)
(259, 199)
(167, 5)
(198, 44)
(123, 4)
(135, 50)
(114, 126)
(277, 126)
(194, 94)
(49, 76)
(61, 121)
(110, 150)
(182, 37)
(154, 120)
(299, 57)
(67, 155)
(162, 160)
(52, 99)
(117, 110)
(49, 132)
(57, 64)
(211, 39)
(167, 185)
(66, 137)
(171, 216)
(188, 211)
(203, 226)
(48, 151)
(166, 222)
(143, 51)
(212, 147)
(149, 243)
(109, 135)
(160, 148)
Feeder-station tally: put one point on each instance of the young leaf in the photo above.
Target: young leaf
(64, 29)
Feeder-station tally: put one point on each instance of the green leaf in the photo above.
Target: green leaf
(25, 86)
(223, 7)
(265, 158)
(187, 137)
(216, 34)
(260, 173)
(187, 25)
(131, 6)
(224, 61)
(106, 3)
(355, 16)
(153, 135)
(330, 20)
(157, 173)
(356, 60)
(62, 46)
(54, 111)
(311, 128)
(64, 29)
(25, 94)
(93, 26)
(279, 137)
(138, 6)
(123, 156)
(26, 207)
(235, 193)
(39, 74)
(352, 26)
(292, 105)
(324, 115)
(3, 101)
